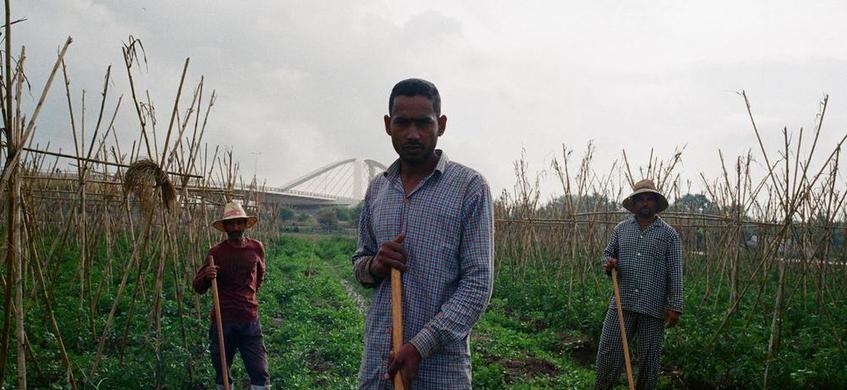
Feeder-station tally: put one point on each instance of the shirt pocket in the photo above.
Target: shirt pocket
(659, 248)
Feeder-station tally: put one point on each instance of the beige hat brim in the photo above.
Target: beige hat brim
(661, 200)
(219, 224)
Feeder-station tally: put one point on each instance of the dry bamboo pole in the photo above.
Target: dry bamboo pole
(158, 292)
(622, 327)
(105, 281)
(16, 140)
(219, 328)
(773, 342)
(134, 258)
(397, 320)
(86, 282)
(164, 161)
(69, 375)
(802, 192)
(130, 53)
(179, 298)
(14, 250)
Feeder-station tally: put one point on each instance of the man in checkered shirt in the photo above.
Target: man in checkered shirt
(431, 218)
(648, 256)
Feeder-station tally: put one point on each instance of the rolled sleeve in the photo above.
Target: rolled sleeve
(611, 250)
(361, 268)
(366, 248)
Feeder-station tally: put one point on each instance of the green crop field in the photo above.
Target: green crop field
(533, 335)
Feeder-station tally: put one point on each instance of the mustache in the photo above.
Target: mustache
(234, 235)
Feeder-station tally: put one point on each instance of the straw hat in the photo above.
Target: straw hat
(641, 187)
(233, 210)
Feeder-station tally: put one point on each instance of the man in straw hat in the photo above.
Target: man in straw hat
(430, 218)
(239, 267)
(647, 254)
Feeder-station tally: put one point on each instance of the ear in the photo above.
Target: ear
(387, 120)
(442, 125)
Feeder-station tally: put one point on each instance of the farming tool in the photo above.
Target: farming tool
(626, 359)
(220, 328)
(397, 321)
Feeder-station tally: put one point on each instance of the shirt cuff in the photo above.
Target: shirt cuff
(426, 342)
(675, 304)
(363, 273)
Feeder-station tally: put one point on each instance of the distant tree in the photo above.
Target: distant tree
(582, 204)
(342, 213)
(303, 218)
(287, 214)
(356, 212)
(327, 218)
(695, 203)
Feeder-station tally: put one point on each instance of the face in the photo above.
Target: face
(234, 228)
(645, 204)
(414, 128)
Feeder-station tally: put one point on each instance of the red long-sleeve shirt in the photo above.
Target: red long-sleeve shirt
(240, 274)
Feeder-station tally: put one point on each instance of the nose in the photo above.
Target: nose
(413, 133)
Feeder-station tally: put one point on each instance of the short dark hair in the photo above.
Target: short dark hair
(416, 87)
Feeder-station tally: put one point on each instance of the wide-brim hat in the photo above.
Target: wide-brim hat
(234, 210)
(645, 186)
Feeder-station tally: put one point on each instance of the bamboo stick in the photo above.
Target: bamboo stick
(219, 327)
(622, 327)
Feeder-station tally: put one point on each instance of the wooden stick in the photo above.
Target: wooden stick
(397, 321)
(623, 329)
(220, 328)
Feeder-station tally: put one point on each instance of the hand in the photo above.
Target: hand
(671, 318)
(610, 264)
(406, 362)
(211, 271)
(391, 254)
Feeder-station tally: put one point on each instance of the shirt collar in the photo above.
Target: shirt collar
(658, 222)
(394, 169)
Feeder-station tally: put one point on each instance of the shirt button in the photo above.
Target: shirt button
(641, 236)
(636, 291)
(639, 253)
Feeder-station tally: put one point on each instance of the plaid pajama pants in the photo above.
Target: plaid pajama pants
(610, 359)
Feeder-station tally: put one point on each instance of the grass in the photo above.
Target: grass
(533, 335)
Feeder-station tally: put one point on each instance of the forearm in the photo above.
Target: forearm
(456, 318)
(675, 297)
(611, 250)
(201, 285)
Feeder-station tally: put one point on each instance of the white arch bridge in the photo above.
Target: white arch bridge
(340, 183)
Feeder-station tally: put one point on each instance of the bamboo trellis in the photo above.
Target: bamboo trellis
(134, 253)
(779, 221)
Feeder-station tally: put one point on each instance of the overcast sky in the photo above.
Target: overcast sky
(306, 82)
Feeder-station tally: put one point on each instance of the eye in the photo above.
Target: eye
(423, 122)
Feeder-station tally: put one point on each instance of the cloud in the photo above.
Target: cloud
(306, 83)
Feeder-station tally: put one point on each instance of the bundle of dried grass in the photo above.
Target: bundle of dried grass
(143, 177)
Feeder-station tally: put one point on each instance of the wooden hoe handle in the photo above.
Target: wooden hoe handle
(626, 359)
(219, 325)
(397, 322)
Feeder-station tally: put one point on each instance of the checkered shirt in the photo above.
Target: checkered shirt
(649, 267)
(447, 221)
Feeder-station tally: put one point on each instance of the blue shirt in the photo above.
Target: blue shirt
(447, 221)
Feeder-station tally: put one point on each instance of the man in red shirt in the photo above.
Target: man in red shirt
(239, 269)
